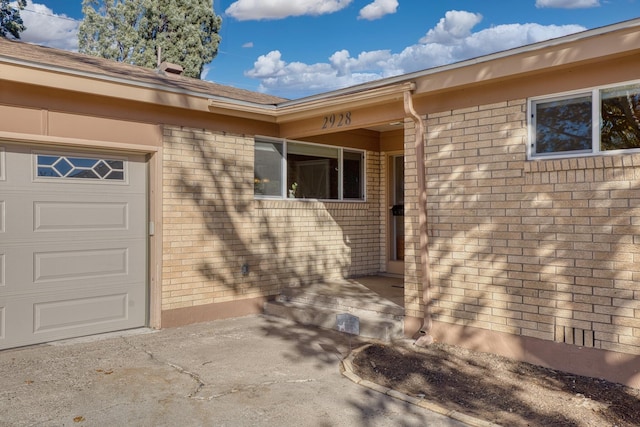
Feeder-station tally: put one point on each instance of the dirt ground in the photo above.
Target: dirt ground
(498, 389)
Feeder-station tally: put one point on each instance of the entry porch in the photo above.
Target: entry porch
(377, 302)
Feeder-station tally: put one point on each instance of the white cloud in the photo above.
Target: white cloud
(248, 45)
(366, 62)
(568, 4)
(248, 10)
(47, 28)
(454, 27)
(205, 70)
(451, 40)
(269, 65)
(378, 9)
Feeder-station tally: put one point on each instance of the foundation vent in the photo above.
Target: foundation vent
(575, 336)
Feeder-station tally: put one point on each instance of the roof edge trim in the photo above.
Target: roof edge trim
(75, 142)
(291, 112)
(118, 80)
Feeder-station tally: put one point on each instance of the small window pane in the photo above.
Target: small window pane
(47, 171)
(115, 176)
(563, 125)
(47, 160)
(81, 162)
(83, 173)
(267, 179)
(102, 169)
(620, 109)
(352, 177)
(63, 167)
(312, 171)
(115, 164)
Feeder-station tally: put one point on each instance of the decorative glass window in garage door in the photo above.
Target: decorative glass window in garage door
(73, 167)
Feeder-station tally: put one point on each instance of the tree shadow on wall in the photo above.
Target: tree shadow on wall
(548, 257)
(245, 250)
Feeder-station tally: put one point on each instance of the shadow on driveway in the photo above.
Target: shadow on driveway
(249, 371)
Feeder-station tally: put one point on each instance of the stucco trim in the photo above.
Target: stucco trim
(610, 365)
(75, 142)
(215, 311)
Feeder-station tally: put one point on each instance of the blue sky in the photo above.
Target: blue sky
(296, 48)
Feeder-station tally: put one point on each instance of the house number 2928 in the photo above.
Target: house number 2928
(336, 120)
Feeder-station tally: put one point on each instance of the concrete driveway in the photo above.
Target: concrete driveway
(250, 371)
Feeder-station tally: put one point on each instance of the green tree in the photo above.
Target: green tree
(185, 32)
(10, 20)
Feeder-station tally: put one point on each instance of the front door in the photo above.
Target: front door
(395, 219)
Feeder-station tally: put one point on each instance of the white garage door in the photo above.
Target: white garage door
(72, 243)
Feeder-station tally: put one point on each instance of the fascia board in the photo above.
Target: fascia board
(284, 114)
(101, 86)
(600, 48)
(368, 98)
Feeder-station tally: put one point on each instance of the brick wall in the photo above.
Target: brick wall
(412, 270)
(213, 226)
(548, 249)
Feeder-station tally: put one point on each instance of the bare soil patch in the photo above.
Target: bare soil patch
(497, 389)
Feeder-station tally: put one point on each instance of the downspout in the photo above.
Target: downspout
(425, 338)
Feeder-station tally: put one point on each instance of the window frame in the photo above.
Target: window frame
(284, 169)
(80, 155)
(596, 122)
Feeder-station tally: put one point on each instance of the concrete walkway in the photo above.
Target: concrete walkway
(250, 371)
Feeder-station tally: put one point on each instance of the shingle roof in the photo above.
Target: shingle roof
(75, 62)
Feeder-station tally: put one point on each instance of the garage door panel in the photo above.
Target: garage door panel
(55, 217)
(3, 270)
(50, 266)
(17, 216)
(80, 264)
(72, 313)
(3, 216)
(2, 323)
(71, 165)
(49, 317)
(76, 216)
(90, 217)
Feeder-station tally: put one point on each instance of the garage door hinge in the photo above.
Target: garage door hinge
(152, 228)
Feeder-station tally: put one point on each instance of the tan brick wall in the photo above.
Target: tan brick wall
(412, 269)
(212, 226)
(547, 249)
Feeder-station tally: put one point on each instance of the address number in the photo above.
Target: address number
(336, 120)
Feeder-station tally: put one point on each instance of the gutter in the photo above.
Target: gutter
(425, 339)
